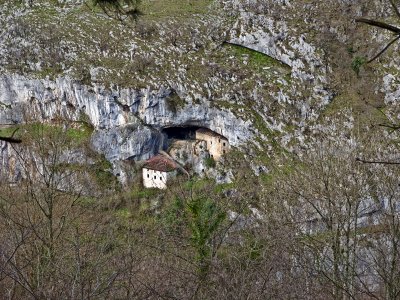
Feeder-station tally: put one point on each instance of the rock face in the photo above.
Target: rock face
(188, 76)
(127, 122)
(276, 39)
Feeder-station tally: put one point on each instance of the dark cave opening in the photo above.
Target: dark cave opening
(181, 132)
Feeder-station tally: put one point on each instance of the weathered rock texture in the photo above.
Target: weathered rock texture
(127, 122)
(129, 83)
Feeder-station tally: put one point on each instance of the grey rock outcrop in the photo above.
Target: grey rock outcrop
(127, 122)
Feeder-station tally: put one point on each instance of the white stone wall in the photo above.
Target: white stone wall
(156, 179)
(216, 146)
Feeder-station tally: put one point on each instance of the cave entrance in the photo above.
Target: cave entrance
(181, 132)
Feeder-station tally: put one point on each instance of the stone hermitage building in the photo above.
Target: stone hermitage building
(216, 144)
(158, 170)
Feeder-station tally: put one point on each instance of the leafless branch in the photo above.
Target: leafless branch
(391, 126)
(395, 8)
(384, 49)
(377, 162)
(379, 24)
(10, 140)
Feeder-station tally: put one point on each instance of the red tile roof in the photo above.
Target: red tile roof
(210, 133)
(160, 163)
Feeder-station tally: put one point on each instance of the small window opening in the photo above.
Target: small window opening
(219, 140)
(155, 177)
(160, 178)
(148, 175)
(224, 144)
(223, 151)
(202, 170)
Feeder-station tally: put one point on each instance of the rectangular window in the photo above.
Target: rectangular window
(224, 144)
(160, 178)
(148, 175)
(155, 177)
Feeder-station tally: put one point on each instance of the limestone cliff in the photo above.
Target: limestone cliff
(194, 65)
(127, 122)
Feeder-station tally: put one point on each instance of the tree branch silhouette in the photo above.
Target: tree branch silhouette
(377, 162)
(11, 139)
(385, 26)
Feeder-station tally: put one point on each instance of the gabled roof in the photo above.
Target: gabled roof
(210, 133)
(160, 163)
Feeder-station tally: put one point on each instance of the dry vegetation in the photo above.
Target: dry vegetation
(304, 232)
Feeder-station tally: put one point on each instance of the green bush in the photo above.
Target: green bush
(357, 63)
(209, 162)
(174, 102)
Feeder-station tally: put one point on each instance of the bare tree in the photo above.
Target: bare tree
(381, 254)
(325, 195)
(42, 254)
(385, 26)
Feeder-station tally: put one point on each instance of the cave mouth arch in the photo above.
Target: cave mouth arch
(183, 132)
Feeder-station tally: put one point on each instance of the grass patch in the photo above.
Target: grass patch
(209, 162)
(8, 131)
(146, 193)
(364, 114)
(219, 188)
(123, 213)
(198, 183)
(50, 72)
(80, 134)
(173, 8)
(76, 135)
(87, 201)
(256, 59)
